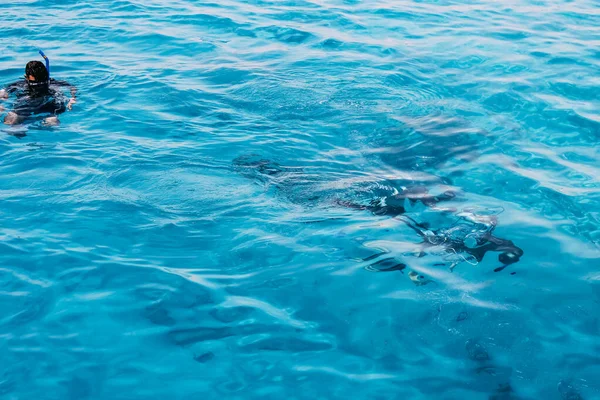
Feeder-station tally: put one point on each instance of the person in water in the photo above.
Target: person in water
(37, 95)
(472, 235)
(469, 238)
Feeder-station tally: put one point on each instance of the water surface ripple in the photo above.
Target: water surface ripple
(326, 199)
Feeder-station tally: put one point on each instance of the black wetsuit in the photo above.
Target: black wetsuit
(47, 99)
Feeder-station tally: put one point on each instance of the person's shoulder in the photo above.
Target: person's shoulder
(16, 85)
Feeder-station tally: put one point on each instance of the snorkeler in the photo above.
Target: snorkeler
(37, 95)
(472, 235)
(468, 239)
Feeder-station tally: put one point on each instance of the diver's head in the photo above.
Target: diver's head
(509, 257)
(36, 75)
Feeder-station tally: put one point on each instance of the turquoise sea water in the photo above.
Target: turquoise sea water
(186, 231)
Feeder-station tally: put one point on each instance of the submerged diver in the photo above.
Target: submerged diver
(468, 239)
(37, 95)
(471, 235)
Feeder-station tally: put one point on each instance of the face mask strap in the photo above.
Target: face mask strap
(37, 84)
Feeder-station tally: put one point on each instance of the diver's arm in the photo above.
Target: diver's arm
(72, 88)
(73, 98)
(4, 93)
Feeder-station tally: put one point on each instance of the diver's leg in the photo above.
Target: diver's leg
(51, 121)
(12, 118)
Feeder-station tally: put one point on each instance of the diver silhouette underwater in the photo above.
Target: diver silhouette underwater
(468, 239)
(472, 235)
(37, 96)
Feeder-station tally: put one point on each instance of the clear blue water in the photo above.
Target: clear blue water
(146, 252)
